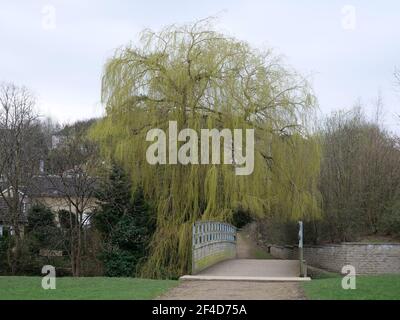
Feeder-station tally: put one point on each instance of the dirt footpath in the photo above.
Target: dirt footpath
(243, 247)
(234, 290)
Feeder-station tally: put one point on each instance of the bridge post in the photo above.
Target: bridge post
(193, 244)
(303, 272)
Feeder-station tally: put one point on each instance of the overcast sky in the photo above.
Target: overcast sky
(349, 49)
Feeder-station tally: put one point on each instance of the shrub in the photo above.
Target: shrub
(124, 223)
(391, 219)
(241, 217)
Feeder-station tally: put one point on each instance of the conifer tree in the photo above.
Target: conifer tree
(124, 222)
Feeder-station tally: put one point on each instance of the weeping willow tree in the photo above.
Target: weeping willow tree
(203, 80)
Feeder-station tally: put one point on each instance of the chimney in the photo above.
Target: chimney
(41, 166)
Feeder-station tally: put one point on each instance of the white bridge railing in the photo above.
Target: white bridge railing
(212, 242)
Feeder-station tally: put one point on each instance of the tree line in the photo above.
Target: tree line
(93, 224)
(359, 183)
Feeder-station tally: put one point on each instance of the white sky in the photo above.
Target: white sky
(63, 64)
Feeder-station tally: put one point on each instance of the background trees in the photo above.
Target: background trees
(203, 79)
(42, 239)
(360, 176)
(359, 184)
(73, 168)
(21, 149)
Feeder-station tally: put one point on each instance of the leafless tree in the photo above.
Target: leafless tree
(20, 152)
(360, 175)
(73, 167)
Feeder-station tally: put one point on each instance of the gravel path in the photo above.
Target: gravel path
(243, 247)
(234, 290)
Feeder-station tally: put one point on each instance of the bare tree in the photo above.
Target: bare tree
(73, 167)
(19, 156)
(360, 175)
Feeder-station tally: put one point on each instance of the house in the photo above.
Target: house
(72, 192)
(5, 216)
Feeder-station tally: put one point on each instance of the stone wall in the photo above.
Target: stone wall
(367, 258)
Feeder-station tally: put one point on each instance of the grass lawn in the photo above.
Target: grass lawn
(30, 288)
(379, 287)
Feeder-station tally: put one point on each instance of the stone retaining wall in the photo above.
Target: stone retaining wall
(367, 258)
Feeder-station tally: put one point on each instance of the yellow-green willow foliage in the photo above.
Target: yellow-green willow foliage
(203, 79)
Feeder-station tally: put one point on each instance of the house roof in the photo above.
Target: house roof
(52, 186)
(55, 186)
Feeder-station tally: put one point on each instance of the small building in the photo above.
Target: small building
(70, 192)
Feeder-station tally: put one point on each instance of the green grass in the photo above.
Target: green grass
(97, 288)
(379, 287)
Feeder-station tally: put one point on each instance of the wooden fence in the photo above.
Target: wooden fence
(212, 242)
